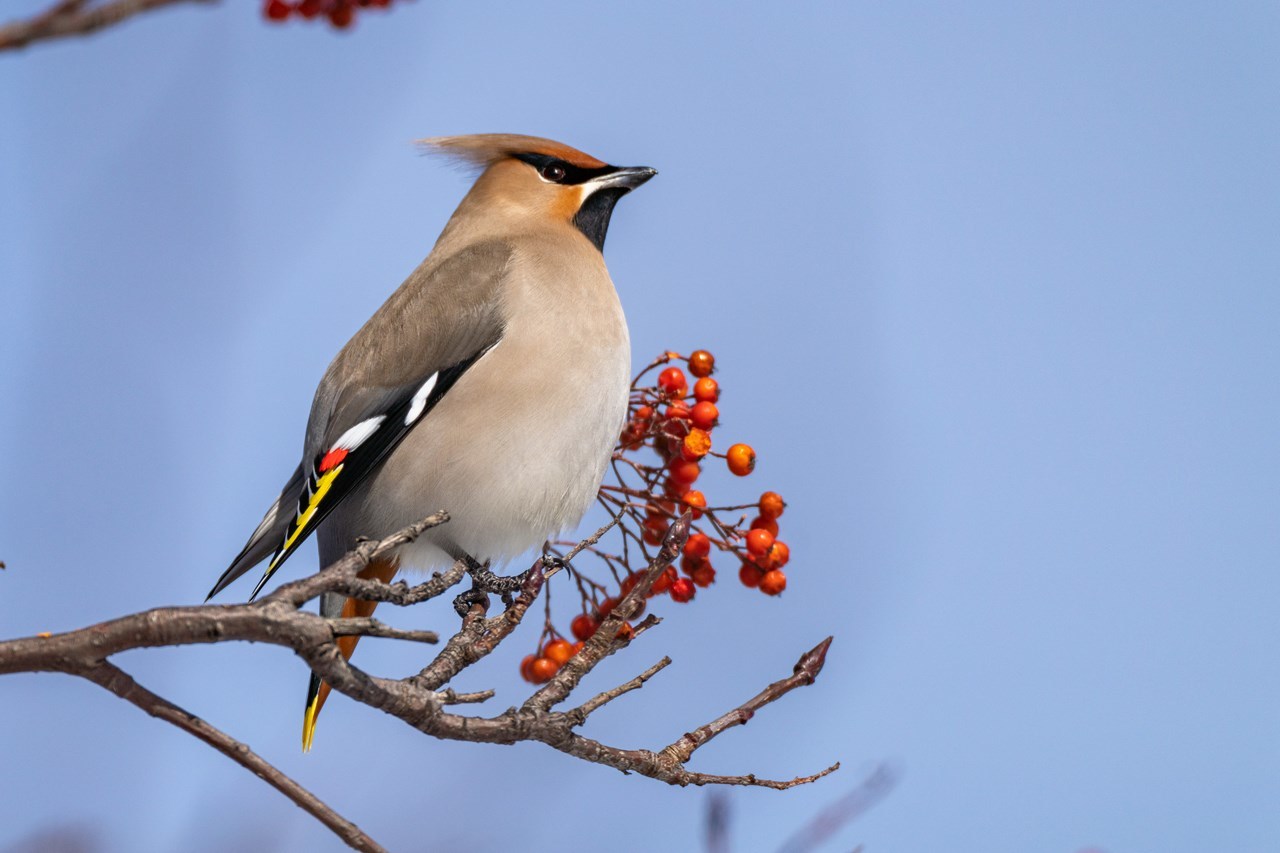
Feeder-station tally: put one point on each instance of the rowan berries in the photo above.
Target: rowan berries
(702, 363)
(559, 651)
(276, 10)
(704, 575)
(672, 381)
(761, 523)
(655, 527)
(696, 501)
(663, 582)
(779, 555)
(706, 390)
(771, 505)
(695, 445)
(742, 459)
(526, 667)
(704, 415)
(750, 575)
(759, 542)
(684, 471)
(682, 590)
(697, 546)
(583, 626)
(773, 582)
(341, 16)
(542, 670)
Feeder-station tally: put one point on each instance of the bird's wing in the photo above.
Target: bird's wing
(385, 381)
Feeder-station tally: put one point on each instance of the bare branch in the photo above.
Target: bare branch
(119, 682)
(71, 18)
(422, 700)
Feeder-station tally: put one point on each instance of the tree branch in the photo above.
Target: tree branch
(72, 18)
(420, 700)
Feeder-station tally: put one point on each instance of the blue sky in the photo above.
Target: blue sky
(993, 292)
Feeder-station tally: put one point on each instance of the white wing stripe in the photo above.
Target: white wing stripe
(354, 437)
(420, 399)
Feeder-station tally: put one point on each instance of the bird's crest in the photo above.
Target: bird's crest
(485, 149)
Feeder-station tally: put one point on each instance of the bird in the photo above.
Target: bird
(492, 384)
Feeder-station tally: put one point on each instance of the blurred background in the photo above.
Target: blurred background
(993, 293)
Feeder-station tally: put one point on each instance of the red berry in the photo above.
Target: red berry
(750, 575)
(704, 415)
(542, 670)
(663, 582)
(672, 382)
(583, 626)
(695, 445)
(702, 363)
(577, 647)
(684, 471)
(759, 542)
(704, 575)
(276, 10)
(655, 527)
(696, 501)
(742, 459)
(559, 651)
(682, 590)
(761, 523)
(698, 546)
(706, 390)
(644, 414)
(677, 412)
(606, 607)
(526, 667)
(779, 555)
(308, 8)
(773, 582)
(771, 505)
(341, 17)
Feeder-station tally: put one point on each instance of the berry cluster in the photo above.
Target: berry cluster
(341, 13)
(676, 422)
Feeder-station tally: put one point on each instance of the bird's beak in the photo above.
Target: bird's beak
(625, 178)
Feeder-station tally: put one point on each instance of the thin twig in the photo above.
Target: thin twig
(70, 18)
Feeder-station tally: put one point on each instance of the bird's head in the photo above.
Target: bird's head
(535, 177)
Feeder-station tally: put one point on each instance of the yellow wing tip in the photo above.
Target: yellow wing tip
(309, 724)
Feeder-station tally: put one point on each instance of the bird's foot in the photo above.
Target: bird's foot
(466, 600)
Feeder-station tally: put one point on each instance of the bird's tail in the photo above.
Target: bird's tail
(334, 604)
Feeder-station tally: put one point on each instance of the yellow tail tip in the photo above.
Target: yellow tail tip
(309, 725)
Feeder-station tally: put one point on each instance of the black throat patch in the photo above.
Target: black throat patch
(592, 219)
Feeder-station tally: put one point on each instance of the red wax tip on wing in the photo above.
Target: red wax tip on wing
(333, 457)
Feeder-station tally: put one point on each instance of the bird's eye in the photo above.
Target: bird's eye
(553, 172)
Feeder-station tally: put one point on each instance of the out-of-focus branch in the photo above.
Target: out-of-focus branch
(77, 18)
(421, 700)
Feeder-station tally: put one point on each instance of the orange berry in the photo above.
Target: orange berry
(706, 390)
(672, 382)
(771, 505)
(762, 523)
(682, 590)
(526, 668)
(779, 555)
(677, 411)
(559, 651)
(695, 445)
(606, 607)
(704, 415)
(759, 542)
(750, 575)
(704, 575)
(663, 582)
(583, 626)
(742, 459)
(696, 501)
(702, 363)
(577, 647)
(698, 546)
(542, 670)
(773, 582)
(684, 471)
(644, 414)
(655, 527)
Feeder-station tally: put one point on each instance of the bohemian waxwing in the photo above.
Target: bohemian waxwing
(493, 384)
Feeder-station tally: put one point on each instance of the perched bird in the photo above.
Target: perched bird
(492, 384)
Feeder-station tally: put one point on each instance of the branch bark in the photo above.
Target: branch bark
(423, 699)
(77, 18)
